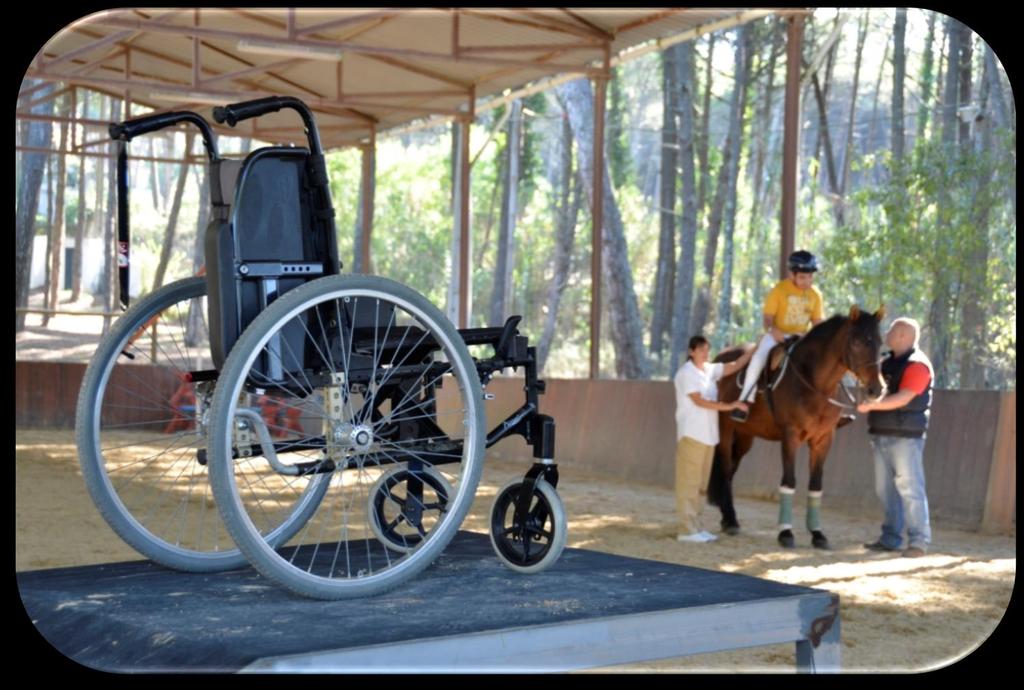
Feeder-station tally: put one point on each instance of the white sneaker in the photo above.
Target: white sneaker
(707, 536)
(695, 537)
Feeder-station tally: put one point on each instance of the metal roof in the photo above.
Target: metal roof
(389, 67)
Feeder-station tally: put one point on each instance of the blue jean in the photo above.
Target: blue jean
(899, 483)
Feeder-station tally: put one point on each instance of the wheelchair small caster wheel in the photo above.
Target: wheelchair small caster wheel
(535, 541)
(401, 513)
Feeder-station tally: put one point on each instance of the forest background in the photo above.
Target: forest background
(907, 193)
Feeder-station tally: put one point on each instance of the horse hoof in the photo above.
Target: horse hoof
(732, 530)
(820, 541)
(786, 539)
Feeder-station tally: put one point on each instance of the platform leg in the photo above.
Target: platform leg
(821, 650)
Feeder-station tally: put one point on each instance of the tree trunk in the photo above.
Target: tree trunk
(862, 33)
(501, 293)
(76, 260)
(109, 227)
(765, 184)
(997, 103)
(703, 137)
(49, 229)
(1001, 114)
(194, 322)
(626, 327)
(827, 86)
(57, 228)
(830, 161)
(899, 70)
(98, 227)
(973, 318)
(702, 307)
(481, 248)
(688, 223)
(869, 141)
(927, 65)
(567, 213)
(939, 311)
(744, 50)
(661, 315)
(38, 136)
(617, 137)
(172, 221)
(154, 176)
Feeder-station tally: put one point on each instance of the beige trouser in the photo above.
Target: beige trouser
(693, 468)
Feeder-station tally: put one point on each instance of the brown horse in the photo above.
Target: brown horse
(801, 411)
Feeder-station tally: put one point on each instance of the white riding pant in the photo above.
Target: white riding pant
(755, 367)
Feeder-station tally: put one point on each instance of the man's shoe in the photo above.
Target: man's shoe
(914, 552)
(739, 415)
(707, 535)
(879, 546)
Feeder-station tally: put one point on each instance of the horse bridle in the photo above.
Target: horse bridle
(810, 386)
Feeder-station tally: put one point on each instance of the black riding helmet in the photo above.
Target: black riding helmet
(803, 262)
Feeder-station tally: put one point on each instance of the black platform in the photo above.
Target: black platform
(466, 612)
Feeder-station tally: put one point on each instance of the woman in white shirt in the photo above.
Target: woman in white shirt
(697, 409)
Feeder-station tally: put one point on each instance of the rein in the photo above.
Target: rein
(809, 385)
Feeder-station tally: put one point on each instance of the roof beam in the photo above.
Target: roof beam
(530, 46)
(422, 71)
(598, 31)
(335, 23)
(626, 56)
(249, 70)
(88, 48)
(559, 28)
(89, 154)
(344, 46)
(229, 96)
(657, 16)
(48, 97)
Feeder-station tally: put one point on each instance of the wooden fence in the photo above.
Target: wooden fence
(626, 430)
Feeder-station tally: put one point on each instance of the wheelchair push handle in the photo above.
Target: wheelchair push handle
(236, 112)
(129, 129)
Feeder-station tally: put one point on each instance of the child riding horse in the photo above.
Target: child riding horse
(798, 409)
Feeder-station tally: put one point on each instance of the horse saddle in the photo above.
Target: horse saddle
(777, 357)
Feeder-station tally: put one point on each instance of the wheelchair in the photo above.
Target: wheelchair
(326, 428)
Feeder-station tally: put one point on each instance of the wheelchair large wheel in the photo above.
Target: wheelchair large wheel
(140, 432)
(384, 386)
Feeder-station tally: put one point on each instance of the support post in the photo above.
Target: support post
(463, 211)
(597, 214)
(791, 139)
(367, 200)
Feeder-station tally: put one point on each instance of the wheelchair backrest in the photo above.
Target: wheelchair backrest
(262, 241)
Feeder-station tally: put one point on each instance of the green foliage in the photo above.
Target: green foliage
(919, 223)
(617, 135)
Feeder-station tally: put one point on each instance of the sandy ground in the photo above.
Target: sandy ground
(897, 614)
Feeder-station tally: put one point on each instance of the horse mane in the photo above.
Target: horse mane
(825, 330)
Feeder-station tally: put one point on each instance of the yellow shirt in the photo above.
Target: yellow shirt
(792, 308)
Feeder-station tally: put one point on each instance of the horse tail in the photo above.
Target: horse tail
(717, 480)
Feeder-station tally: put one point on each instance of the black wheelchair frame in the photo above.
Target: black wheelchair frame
(250, 264)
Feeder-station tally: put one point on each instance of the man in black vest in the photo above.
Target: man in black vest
(897, 424)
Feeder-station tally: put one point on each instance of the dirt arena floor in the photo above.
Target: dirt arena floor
(897, 614)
